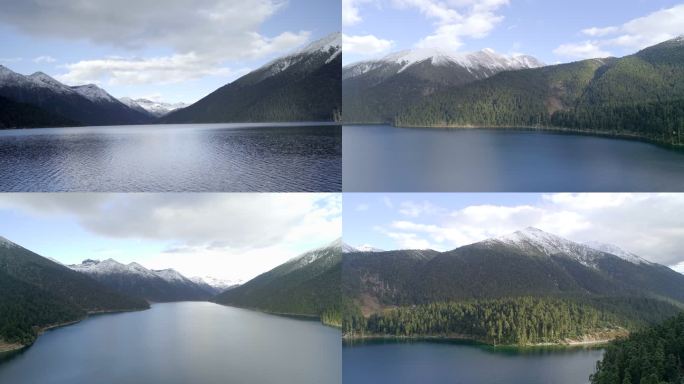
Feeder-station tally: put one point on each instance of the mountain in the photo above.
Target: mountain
(153, 108)
(302, 86)
(36, 292)
(22, 115)
(135, 280)
(346, 248)
(531, 272)
(308, 285)
(376, 91)
(639, 95)
(213, 285)
(84, 105)
(527, 262)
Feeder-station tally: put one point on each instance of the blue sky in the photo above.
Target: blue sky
(649, 225)
(177, 50)
(552, 31)
(230, 236)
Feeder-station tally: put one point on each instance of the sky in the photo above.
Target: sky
(228, 236)
(172, 50)
(553, 31)
(649, 225)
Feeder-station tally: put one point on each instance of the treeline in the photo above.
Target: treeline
(651, 356)
(25, 309)
(523, 320)
(641, 95)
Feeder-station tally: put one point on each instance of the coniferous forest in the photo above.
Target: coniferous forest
(639, 96)
(521, 321)
(651, 356)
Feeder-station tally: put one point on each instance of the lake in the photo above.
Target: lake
(190, 342)
(384, 158)
(417, 362)
(172, 158)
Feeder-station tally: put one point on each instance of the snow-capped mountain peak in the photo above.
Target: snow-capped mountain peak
(617, 251)
(155, 108)
(330, 45)
(485, 60)
(219, 285)
(369, 248)
(170, 275)
(94, 93)
(42, 80)
(333, 40)
(346, 248)
(533, 239)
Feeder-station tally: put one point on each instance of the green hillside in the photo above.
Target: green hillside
(641, 96)
(308, 285)
(652, 356)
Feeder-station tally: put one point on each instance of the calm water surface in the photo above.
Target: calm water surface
(181, 343)
(161, 158)
(451, 362)
(384, 158)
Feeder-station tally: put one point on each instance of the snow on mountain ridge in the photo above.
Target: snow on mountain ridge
(548, 244)
(484, 59)
(323, 45)
(617, 251)
(94, 93)
(155, 108)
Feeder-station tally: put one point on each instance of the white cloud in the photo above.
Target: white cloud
(10, 59)
(224, 235)
(594, 31)
(156, 70)
(647, 224)
(365, 44)
(455, 20)
(44, 59)
(351, 13)
(200, 35)
(585, 50)
(635, 34)
(415, 209)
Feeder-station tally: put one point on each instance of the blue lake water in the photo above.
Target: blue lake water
(419, 362)
(178, 343)
(384, 158)
(173, 158)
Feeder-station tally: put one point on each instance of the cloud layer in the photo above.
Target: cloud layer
(235, 221)
(201, 34)
(647, 224)
(637, 33)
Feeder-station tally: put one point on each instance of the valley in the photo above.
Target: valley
(40, 294)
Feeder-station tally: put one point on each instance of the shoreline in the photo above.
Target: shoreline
(576, 131)
(568, 343)
(14, 347)
(307, 317)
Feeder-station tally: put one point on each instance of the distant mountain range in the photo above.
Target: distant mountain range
(85, 105)
(307, 285)
(527, 263)
(153, 285)
(640, 95)
(36, 293)
(153, 108)
(302, 86)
